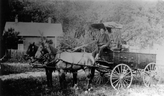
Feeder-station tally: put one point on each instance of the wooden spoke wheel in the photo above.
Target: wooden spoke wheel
(121, 77)
(151, 77)
(99, 77)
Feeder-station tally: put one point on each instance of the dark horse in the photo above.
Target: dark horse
(67, 62)
(31, 50)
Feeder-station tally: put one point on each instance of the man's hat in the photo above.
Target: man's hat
(107, 26)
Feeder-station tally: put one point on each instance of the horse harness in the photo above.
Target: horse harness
(66, 62)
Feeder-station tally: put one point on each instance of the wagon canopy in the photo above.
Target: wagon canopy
(107, 25)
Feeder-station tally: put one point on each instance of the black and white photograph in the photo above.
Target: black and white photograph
(82, 48)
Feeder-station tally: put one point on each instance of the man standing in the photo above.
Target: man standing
(102, 42)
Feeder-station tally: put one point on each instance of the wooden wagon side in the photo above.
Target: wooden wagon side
(134, 60)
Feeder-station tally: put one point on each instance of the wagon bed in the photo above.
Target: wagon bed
(132, 59)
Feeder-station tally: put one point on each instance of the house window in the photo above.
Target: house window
(20, 45)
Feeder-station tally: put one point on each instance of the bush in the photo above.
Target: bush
(17, 56)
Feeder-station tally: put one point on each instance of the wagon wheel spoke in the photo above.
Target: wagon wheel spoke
(119, 85)
(115, 72)
(115, 76)
(116, 83)
(119, 69)
(107, 76)
(128, 78)
(152, 67)
(97, 78)
(127, 73)
(149, 68)
(148, 83)
(122, 84)
(125, 83)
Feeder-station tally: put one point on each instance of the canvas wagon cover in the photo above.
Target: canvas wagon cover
(76, 57)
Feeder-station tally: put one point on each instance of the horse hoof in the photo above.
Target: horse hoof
(47, 89)
(90, 89)
(77, 88)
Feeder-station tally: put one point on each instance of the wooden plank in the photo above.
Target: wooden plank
(145, 59)
(134, 60)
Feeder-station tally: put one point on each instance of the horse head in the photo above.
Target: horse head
(45, 49)
(41, 51)
(31, 50)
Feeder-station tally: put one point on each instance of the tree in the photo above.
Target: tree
(10, 39)
(142, 25)
(4, 11)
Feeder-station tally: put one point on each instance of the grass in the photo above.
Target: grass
(22, 87)
(13, 68)
(36, 86)
(33, 87)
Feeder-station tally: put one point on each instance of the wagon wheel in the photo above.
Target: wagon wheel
(101, 77)
(121, 77)
(151, 77)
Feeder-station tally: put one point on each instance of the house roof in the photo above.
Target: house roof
(35, 29)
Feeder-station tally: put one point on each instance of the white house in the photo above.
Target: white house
(31, 32)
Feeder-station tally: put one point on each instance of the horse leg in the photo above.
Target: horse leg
(50, 77)
(62, 78)
(90, 78)
(47, 75)
(75, 80)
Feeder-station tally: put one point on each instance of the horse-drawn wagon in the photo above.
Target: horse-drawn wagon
(119, 67)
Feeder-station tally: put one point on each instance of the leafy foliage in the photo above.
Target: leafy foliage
(10, 38)
(142, 21)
